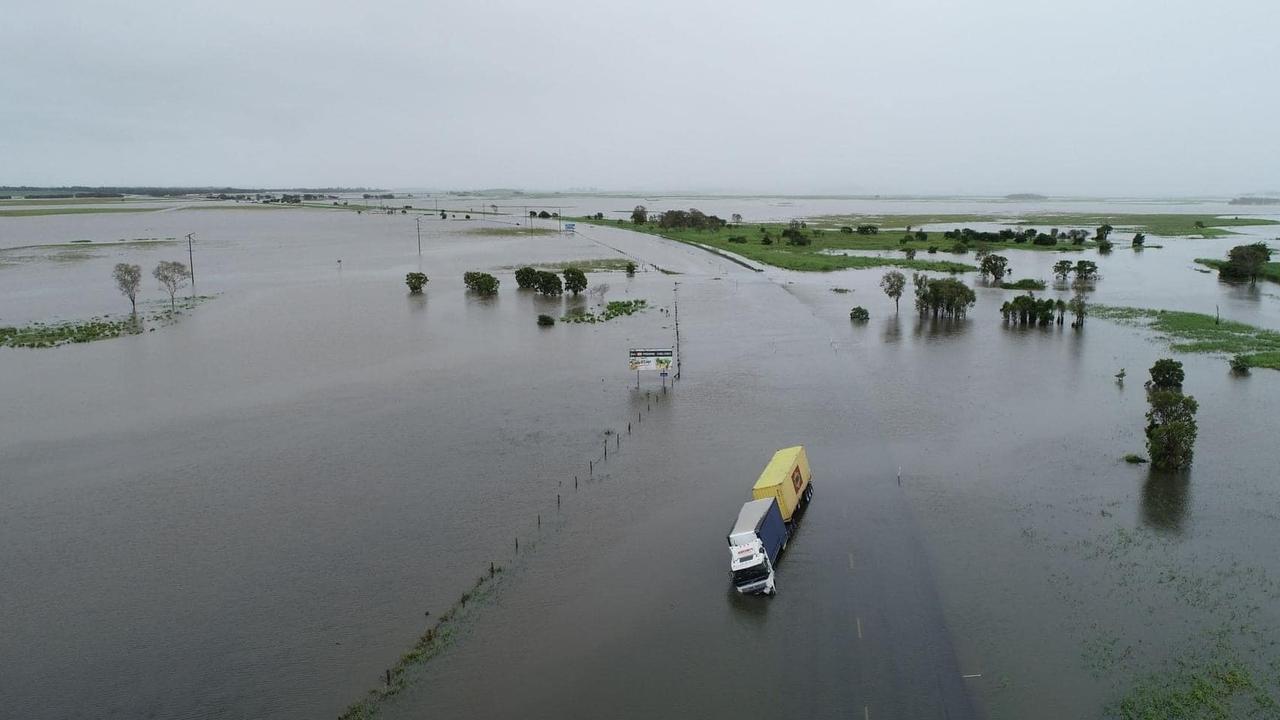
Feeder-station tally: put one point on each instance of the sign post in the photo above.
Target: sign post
(659, 359)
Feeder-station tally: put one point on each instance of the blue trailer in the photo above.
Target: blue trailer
(755, 542)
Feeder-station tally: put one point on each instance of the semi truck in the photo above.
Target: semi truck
(755, 542)
(765, 523)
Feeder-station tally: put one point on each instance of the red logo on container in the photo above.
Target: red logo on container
(796, 480)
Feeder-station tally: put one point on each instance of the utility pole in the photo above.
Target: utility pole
(419, 236)
(191, 265)
(675, 294)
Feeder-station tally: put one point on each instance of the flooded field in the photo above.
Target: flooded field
(250, 513)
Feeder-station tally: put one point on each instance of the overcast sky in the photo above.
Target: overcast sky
(1081, 97)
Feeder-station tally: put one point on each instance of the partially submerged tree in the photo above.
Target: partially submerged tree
(1062, 269)
(859, 314)
(631, 269)
(1078, 307)
(415, 281)
(527, 278)
(481, 283)
(1086, 270)
(1028, 310)
(1245, 261)
(575, 281)
(549, 283)
(1171, 429)
(993, 265)
(1166, 374)
(173, 277)
(128, 278)
(893, 284)
(639, 215)
(947, 297)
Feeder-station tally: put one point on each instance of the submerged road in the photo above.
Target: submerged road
(626, 611)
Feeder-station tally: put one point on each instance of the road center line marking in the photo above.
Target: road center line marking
(850, 561)
(974, 675)
(859, 627)
(866, 714)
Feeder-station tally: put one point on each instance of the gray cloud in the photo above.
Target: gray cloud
(1089, 97)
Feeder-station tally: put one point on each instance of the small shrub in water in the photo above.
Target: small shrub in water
(415, 281)
(546, 320)
(1134, 459)
(859, 314)
(1239, 365)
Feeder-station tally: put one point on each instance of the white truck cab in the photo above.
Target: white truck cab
(750, 567)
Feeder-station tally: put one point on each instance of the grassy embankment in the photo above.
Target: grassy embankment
(30, 212)
(1270, 271)
(1193, 332)
(1162, 224)
(429, 644)
(810, 258)
(817, 257)
(597, 265)
(70, 201)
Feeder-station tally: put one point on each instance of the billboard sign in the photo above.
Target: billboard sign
(651, 358)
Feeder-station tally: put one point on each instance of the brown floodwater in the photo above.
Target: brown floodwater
(248, 514)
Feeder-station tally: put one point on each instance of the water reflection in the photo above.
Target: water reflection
(931, 327)
(893, 330)
(751, 609)
(1241, 289)
(1164, 500)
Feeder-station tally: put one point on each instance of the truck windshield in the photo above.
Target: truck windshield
(746, 576)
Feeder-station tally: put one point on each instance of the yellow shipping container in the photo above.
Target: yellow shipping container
(786, 478)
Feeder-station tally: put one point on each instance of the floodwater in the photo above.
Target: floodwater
(249, 513)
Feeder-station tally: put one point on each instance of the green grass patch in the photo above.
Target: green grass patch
(1215, 690)
(615, 308)
(40, 335)
(1193, 332)
(49, 335)
(1270, 271)
(1024, 284)
(1134, 459)
(512, 231)
(30, 212)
